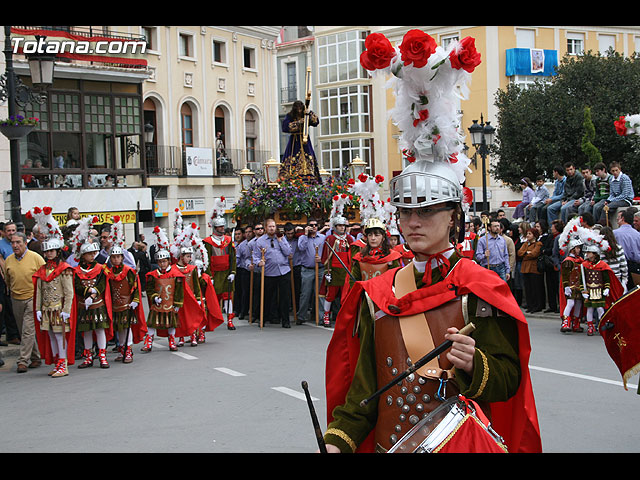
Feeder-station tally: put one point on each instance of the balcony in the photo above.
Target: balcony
(171, 161)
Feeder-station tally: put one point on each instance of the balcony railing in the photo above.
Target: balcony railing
(168, 160)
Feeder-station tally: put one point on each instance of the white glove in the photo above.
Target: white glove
(327, 276)
(175, 309)
(93, 290)
(231, 277)
(65, 316)
(88, 302)
(585, 294)
(133, 305)
(158, 300)
(605, 292)
(567, 291)
(39, 316)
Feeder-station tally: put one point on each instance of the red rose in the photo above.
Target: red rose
(116, 219)
(156, 229)
(36, 210)
(465, 55)
(46, 210)
(363, 177)
(378, 52)
(416, 48)
(424, 114)
(621, 126)
(379, 179)
(351, 181)
(28, 215)
(194, 226)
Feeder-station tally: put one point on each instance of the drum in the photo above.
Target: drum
(456, 426)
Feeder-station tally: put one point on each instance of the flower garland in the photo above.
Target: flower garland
(627, 125)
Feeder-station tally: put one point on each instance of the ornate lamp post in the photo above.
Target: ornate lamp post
(482, 138)
(272, 171)
(13, 90)
(357, 166)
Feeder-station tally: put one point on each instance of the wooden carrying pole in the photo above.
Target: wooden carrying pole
(293, 292)
(251, 290)
(317, 291)
(262, 290)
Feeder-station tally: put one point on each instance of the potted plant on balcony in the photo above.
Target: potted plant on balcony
(17, 126)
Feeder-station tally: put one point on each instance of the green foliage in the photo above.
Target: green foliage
(544, 125)
(588, 148)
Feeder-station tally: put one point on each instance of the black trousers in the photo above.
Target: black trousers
(552, 281)
(241, 293)
(534, 290)
(277, 297)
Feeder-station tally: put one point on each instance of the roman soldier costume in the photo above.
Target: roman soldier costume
(93, 305)
(601, 285)
(222, 260)
(336, 258)
(124, 285)
(396, 317)
(166, 294)
(53, 299)
(571, 284)
(467, 248)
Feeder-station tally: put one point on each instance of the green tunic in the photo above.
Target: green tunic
(496, 373)
(221, 283)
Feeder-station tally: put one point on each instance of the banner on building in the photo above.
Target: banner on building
(199, 162)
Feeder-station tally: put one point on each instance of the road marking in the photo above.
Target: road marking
(228, 371)
(185, 355)
(293, 393)
(584, 377)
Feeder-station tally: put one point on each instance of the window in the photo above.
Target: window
(336, 155)
(185, 45)
(187, 126)
(339, 56)
(219, 52)
(344, 110)
(526, 81)
(151, 36)
(249, 58)
(251, 135)
(525, 38)
(290, 93)
(606, 43)
(575, 43)
(447, 40)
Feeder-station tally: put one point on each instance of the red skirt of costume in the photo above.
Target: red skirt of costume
(212, 317)
(515, 419)
(42, 336)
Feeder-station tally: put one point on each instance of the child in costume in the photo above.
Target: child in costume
(182, 252)
(571, 285)
(124, 285)
(222, 260)
(166, 295)
(602, 287)
(93, 297)
(53, 297)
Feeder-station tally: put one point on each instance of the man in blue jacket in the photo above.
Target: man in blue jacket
(555, 201)
(620, 194)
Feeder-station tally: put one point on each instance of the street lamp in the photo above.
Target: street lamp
(482, 138)
(17, 93)
(357, 167)
(272, 171)
(246, 177)
(324, 175)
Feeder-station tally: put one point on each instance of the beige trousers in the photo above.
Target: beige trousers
(23, 313)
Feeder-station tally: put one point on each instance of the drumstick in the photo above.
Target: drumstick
(314, 419)
(466, 330)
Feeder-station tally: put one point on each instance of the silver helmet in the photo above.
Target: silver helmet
(160, 254)
(52, 243)
(425, 183)
(116, 250)
(89, 247)
(185, 250)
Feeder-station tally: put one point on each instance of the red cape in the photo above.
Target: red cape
(139, 329)
(192, 311)
(212, 318)
(94, 272)
(516, 419)
(42, 336)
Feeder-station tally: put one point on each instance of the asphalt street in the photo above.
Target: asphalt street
(240, 392)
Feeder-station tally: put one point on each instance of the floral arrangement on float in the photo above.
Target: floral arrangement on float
(295, 197)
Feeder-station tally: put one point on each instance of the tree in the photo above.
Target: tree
(544, 125)
(588, 148)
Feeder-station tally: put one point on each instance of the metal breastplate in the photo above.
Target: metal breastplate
(370, 270)
(121, 294)
(405, 404)
(165, 288)
(188, 276)
(595, 283)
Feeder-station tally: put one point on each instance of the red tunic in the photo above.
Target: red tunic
(138, 329)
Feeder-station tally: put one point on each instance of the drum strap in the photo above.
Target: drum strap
(416, 334)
